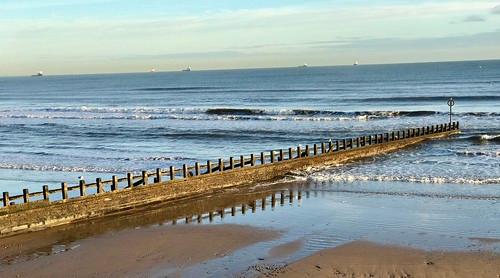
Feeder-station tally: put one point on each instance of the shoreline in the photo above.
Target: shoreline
(139, 252)
(368, 259)
(161, 251)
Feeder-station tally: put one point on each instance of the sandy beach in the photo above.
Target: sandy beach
(144, 252)
(367, 259)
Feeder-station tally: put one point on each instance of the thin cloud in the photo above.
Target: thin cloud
(486, 38)
(474, 18)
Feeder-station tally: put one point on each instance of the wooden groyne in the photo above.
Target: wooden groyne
(35, 210)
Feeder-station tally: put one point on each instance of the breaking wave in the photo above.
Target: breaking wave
(319, 177)
(60, 168)
(147, 113)
(484, 138)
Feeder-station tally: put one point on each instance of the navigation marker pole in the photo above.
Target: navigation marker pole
(451, 103)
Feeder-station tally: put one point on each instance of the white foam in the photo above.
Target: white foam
(344, 177)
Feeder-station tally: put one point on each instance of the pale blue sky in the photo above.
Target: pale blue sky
(90, 36)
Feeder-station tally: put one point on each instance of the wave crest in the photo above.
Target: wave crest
(414, 179)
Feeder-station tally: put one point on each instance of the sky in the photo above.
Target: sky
(104, 36)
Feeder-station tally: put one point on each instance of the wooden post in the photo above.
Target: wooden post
(357, 142)
(221, 165)
(114, 183)
(350, 143)
(281, 158)
(172, 173)
(393, 136)
(272, 156)
(6, 200)
(158, 175)
(299, 154)
(363, 141)
(130, 180)
(307, 151)
(45, 190)
(290, 153)
(458, 124)
(387, 137)
(343, 144)
(82, 188)
(252, 160)
(337, 147)
(242, 161)
(209, 167)
(262, 158)
(26, 195)
(231, 163)
(98, 183)
(369, 139)
(64, 191)
(315, 149)
(144, 177)
(330, 146)
(323, 147)
(184, 171)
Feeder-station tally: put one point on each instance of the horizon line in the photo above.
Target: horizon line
(255, 68)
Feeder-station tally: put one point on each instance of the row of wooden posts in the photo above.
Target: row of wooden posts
(131, 181)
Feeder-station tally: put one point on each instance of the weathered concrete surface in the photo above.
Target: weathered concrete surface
(40, 215)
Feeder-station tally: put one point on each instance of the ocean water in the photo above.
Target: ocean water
(56, 128)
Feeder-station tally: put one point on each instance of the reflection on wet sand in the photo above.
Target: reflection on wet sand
(206, 209)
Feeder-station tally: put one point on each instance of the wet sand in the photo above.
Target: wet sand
(366, 259)
(141, 252)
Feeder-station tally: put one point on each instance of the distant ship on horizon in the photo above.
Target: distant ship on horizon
(152, 70)
(187, 69)
(305, 65)
(356, 63)
(38, 74)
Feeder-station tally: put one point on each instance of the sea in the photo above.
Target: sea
(59, 128)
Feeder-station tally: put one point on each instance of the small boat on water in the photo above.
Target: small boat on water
(40, 73)
(304, 66)
(356, 63)
(153, 70)
(187, 69)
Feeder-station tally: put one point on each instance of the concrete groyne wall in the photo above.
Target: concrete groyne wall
(35, 210)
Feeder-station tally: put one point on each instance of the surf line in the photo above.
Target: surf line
(65, 204)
